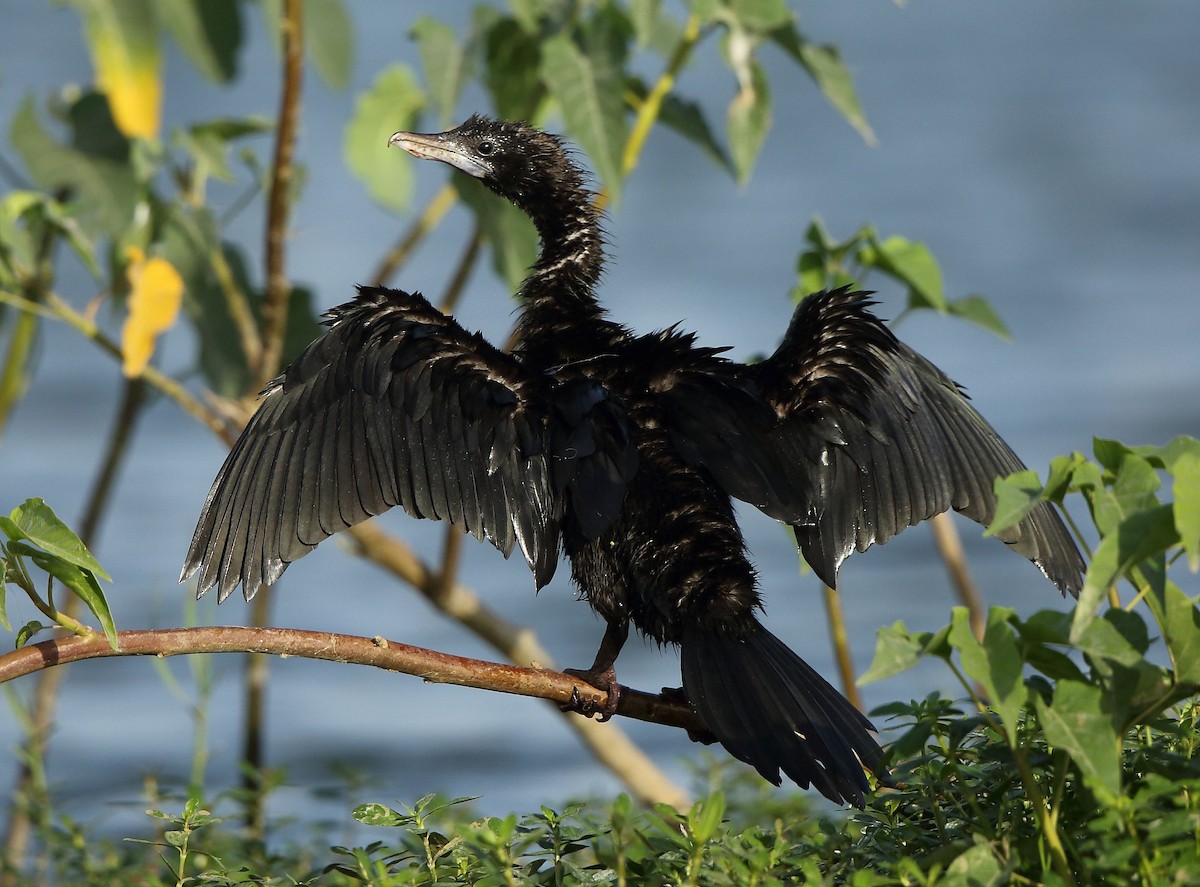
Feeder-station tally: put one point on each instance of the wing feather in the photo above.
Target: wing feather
(395, 404)
(909, 444)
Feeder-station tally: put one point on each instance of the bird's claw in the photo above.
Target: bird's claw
(605, 680)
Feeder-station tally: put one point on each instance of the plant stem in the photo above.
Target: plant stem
(30, 775)
(651, 106)
(278, 288)
(841, 645)
(949, 545)
(429, 219)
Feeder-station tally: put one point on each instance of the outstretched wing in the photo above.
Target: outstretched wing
(886, 440)
(865, 438)
(395, 405)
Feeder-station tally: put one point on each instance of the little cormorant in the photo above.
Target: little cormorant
(623, 451)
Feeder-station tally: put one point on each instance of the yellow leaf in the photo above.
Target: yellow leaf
(124, 46)
(155, 295)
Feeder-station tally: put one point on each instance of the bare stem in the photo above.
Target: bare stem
(278, 288)
(949, 545)
(462, 271)
(841, 646)
(429, 219)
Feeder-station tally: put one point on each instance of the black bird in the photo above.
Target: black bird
(625, 451)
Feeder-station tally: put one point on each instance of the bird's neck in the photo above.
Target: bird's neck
(561, 320)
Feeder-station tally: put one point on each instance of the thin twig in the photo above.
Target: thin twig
(841, 645)
(429, 219)
(59, 309)
(949, 545)
(462, 271)
(278, 288)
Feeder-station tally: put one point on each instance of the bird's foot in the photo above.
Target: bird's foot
(602, 679)
(676, 694)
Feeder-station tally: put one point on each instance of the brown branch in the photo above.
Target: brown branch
(429, 665)
(278, 289)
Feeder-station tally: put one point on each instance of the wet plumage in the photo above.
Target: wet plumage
(623, 452)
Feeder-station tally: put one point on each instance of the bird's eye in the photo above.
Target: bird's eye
(486, 148)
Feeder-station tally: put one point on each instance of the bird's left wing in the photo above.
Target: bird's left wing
(851, 436)
(396, 404)
(884, 440)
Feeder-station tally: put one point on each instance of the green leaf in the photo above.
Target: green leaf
(913, 264)
(705, 817)
(654, 28)
(379, 815)
(976, 867)
(979, 311)
(22, 217)
(84, 584)
(1063, 470)
(188, 239)
(508, 232)
(760, 15)
(514, 58)
(896, 651)
(445, 64)
(1077, 721)
(1136, 538)
(1016, 496)
(1104, 642)
(390, 104)
(1185, 487)
(1109, 453)
(104, 191)
(748, 118)
(208, 31)
(589, 91)
(687, 118)
(35, 521)
(825, 66)
(995, 664)
(329, 39)
(209, 142)
(28, 631)
(1181, 630)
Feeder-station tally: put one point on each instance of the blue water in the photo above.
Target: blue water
(1049, 154)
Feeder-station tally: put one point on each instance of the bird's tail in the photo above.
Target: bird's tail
(769, 708)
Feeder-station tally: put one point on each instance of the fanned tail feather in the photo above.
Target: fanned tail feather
(769, 708)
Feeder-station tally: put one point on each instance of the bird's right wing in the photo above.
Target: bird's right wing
(395, 405)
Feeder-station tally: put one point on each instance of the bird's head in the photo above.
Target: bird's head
(523, 164)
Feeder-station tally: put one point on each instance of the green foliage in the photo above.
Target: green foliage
(35, 534)
(826, 263)
(1073, 759)
(956, 813)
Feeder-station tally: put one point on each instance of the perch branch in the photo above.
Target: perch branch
(429, 665)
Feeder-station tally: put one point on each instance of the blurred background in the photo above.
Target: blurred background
(1049, 156)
